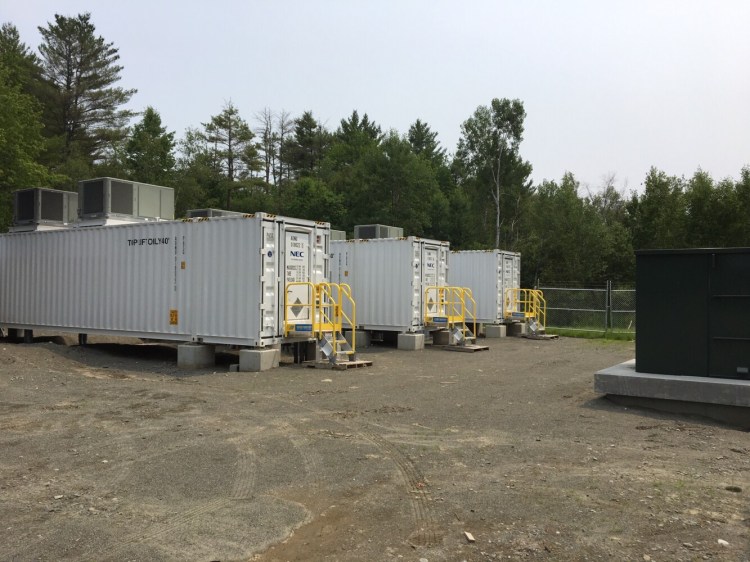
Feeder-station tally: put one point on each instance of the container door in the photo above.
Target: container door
(500, 286)
(509, 281)
(728, 313)
(431, 275)
(298, 268)
(269, 285)
(417, 285)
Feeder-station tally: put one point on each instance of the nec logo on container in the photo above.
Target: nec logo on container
(297, 254)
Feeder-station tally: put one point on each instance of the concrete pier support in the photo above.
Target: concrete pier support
(195, 356)
(517, 329)
(410, 342)
(495, 330)
(257, 360)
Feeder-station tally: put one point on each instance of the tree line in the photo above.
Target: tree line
(63, 119)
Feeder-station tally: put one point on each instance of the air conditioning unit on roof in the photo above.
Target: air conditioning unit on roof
(114, 201)
(40, 208)
(210, 213)
(364, 231)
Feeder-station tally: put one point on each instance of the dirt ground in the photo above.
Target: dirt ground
(110, 452)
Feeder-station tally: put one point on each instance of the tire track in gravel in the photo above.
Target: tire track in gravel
(178, 524)
(427, 532)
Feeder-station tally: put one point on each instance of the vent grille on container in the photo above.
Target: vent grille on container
(53, 206)
(121, 198)
(93, 198)
(369, 231)
(199, 213)
(24, 206)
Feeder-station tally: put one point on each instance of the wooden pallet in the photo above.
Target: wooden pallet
(540, 336)
(338, 366)
(468, 348)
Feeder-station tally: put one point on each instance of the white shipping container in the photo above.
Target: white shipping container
(219, 280)
(388, 277)
(488, 274)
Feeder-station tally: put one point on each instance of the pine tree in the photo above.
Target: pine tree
(87, 106)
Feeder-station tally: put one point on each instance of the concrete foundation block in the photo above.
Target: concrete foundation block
(361, 338)
(410, 342)
(725, 400)
(441, 337)
(495, 330)
(257, 360)
(517, 329)
(195, 356)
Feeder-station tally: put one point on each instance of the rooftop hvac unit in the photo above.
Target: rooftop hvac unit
(364, 231)
(40, 208)
(113, 201)
(209, 213)
(338, 235)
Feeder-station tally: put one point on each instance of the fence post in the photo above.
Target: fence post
(608, 308)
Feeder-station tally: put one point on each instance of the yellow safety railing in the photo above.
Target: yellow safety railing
(449, 306)
(333, 300)
(327, 303)
(525, 304)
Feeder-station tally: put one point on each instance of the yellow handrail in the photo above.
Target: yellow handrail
(327, 304)
(526, 304)
(452, 303)
(312, 296)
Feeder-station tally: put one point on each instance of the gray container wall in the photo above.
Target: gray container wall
(218, 281)
(692, 312)
(488, 273)
(388, 277)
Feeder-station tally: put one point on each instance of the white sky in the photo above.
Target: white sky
(609, 87)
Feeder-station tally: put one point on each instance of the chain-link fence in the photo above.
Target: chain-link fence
(604, 309)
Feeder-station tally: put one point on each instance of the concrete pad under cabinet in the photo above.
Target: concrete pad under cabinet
(727, 400)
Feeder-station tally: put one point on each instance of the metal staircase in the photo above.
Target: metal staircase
(328, 309)
(454, 309)
(335, 348)
(527, 305)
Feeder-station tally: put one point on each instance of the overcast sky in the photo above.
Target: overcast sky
(609, 87)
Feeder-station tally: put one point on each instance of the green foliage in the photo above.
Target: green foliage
(488, 164)
(308, 147)
(424, 143)
(21, 144)
(149, 152)
(63, 111)
(84, 105)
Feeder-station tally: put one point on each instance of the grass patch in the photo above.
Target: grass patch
(591, 334)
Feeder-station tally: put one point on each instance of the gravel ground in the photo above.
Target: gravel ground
(109, 452)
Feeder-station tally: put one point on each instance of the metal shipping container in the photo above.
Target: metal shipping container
(219, 280)
(488, 274)
(692, 312)
(388, 277)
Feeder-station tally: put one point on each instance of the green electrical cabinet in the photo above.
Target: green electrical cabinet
(693, 312)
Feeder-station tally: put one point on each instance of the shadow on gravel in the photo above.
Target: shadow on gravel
(727, 417)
